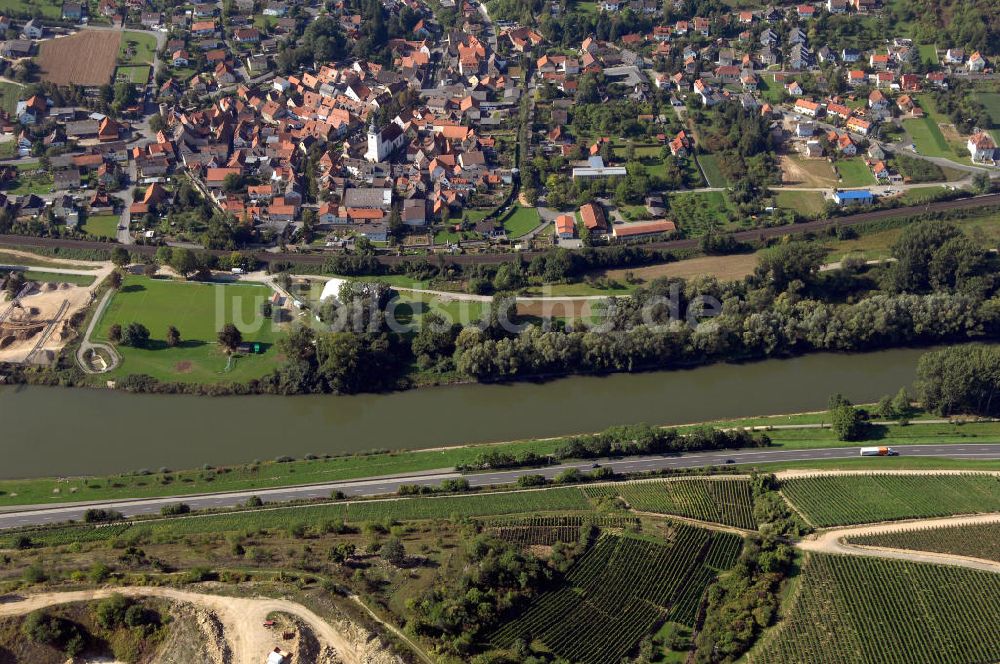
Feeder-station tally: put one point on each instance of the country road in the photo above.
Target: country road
(32, 515)
(833, 541)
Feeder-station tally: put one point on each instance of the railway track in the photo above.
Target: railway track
(987, 200)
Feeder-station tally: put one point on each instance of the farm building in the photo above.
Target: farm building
(853, 197)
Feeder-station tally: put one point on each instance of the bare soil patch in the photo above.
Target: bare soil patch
(731, 267)
(86, 58)
(555, 308)
(807, 172)
(183, 367)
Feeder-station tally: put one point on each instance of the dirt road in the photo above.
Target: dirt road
(242, 619)
(832, 541)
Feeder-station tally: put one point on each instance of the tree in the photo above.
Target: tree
(342, 552)
(795, 261)
(393, 552)
(233, 183)
(173, 336)
(230, 337)
(120, 256)
(115, 280)
(150, 269)
(847, 421)
(960, 379)
(135, 335)
(184, 261)
(981, 182)
(115, 333)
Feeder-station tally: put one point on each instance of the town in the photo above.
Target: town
(501, 332)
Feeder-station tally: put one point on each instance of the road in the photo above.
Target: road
(86, 344)
(31, 515)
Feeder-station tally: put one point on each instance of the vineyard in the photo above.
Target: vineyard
(547, 530)
(837, 500)
(976, 540)
(620, 590)
(313, 516)
(725, 501)
(879, 611)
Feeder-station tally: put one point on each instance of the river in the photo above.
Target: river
(57, 431)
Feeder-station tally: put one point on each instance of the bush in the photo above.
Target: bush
(175, 509)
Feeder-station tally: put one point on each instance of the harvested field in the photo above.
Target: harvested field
(731, 267)
(807, 172)
(61, 62)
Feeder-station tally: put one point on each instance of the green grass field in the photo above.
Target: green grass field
(918, 195)
(102, 225)
(522, 221)
(31, 179)
(850, 499)
(10, 93)
(806, 203)
(854, 173)
(928, 53)
(927, 137)
(991, 100)
(8, 258)
(710, 166)
(77, 279)
(697, 212)
(135, 74)
(198, 311)
(137, 48)
(51, 9)
(875, 611)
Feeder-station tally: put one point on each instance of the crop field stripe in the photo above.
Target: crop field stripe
(851, 499)
(878, 611)
(728, 501)
(975, 540)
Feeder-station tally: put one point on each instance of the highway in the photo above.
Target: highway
(33, 515)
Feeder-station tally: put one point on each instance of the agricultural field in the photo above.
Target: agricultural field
(725, 501)
(807, 172)
(981, 540)
(878, 611)
(547, 530)
(806, 203)
(60, 61)
(316, 517)
(102, 225)
(699, 212)
(521, 222)
(620, 591)
(198, 311)
(854, 173)
(838, 500)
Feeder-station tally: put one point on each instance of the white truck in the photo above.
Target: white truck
(878, 451)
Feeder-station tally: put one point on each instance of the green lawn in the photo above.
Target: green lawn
(928, 53)
(198, 311)
(77, 279)
(927, 137)
(8, 258)
(854, 173)
(919, 195)
(806, 203)
(102, 225)
(30, 180)
(136, 74)
(710, 166)
(10, 93)
(409, 308)
(143, 48)
(51, 9)
(522, 221)
(991, 100)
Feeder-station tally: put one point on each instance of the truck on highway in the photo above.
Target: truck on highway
(878, 451)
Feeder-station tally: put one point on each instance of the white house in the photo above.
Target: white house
(982, 147)
(384, 142)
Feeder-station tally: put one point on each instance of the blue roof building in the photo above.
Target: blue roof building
(854, 197)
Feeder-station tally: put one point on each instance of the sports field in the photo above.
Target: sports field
(198, 311)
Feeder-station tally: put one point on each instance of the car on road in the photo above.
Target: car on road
(728, 461)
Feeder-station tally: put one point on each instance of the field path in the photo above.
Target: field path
(832, 541)
(242, 618)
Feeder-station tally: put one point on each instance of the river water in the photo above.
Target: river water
(57, 431)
